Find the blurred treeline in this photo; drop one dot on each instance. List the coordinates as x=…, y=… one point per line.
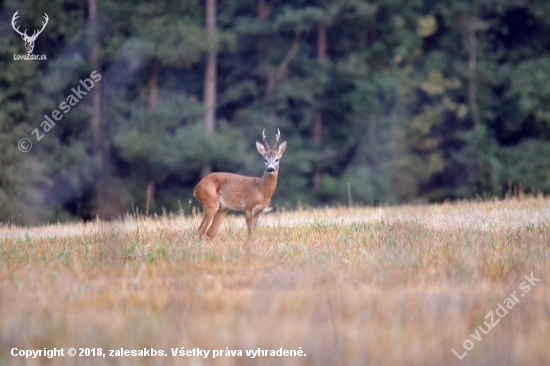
x=380, y=101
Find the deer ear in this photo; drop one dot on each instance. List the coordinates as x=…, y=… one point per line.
x=282, y=149
x=260, y=148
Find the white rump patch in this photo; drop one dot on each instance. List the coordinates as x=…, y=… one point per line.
x=256, y=209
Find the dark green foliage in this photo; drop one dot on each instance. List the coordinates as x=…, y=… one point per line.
x=420, y=101
x=527, y=165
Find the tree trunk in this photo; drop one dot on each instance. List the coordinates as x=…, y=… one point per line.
x=471, y=44
x=150, y=197
x=318, y=119
x=95, y=121
x=210, y=73
x=472, y=65
x=275, y=76
x=209, y=97
x=152, y=102
x=153, y=87
x=264, y=9
x=104, y=206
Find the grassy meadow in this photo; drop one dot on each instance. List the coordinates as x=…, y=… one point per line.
x=346, y=286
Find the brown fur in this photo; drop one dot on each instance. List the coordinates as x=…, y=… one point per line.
x=233, y=192
x=221, y=192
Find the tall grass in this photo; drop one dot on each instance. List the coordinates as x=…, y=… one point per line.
x=350, y=286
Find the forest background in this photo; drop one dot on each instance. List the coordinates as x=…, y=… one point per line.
x=381, y=102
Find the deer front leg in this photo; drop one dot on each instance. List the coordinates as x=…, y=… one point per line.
x=216, y=223
x=255, y=220
x=249, y=222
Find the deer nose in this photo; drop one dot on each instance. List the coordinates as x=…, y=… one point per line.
x=270, y=169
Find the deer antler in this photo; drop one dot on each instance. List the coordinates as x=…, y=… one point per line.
x=24, y=34
x=265, y=140
x=277, y=139
x=43, y=26
x=13, y=19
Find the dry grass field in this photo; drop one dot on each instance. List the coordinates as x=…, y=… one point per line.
x=345, y=286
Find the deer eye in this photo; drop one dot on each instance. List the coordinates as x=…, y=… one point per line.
x=276, y=160
x=265, y=160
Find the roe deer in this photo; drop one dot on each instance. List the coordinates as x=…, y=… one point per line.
x=221, y=192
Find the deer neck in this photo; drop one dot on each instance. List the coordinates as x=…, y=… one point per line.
x=269, y=182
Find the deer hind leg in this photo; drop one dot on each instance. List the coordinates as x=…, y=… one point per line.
x=206, y=193
x=209, y=213
x=217, y=221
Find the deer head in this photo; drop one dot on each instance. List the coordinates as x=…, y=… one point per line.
x=271, y=155
x=29, y=40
